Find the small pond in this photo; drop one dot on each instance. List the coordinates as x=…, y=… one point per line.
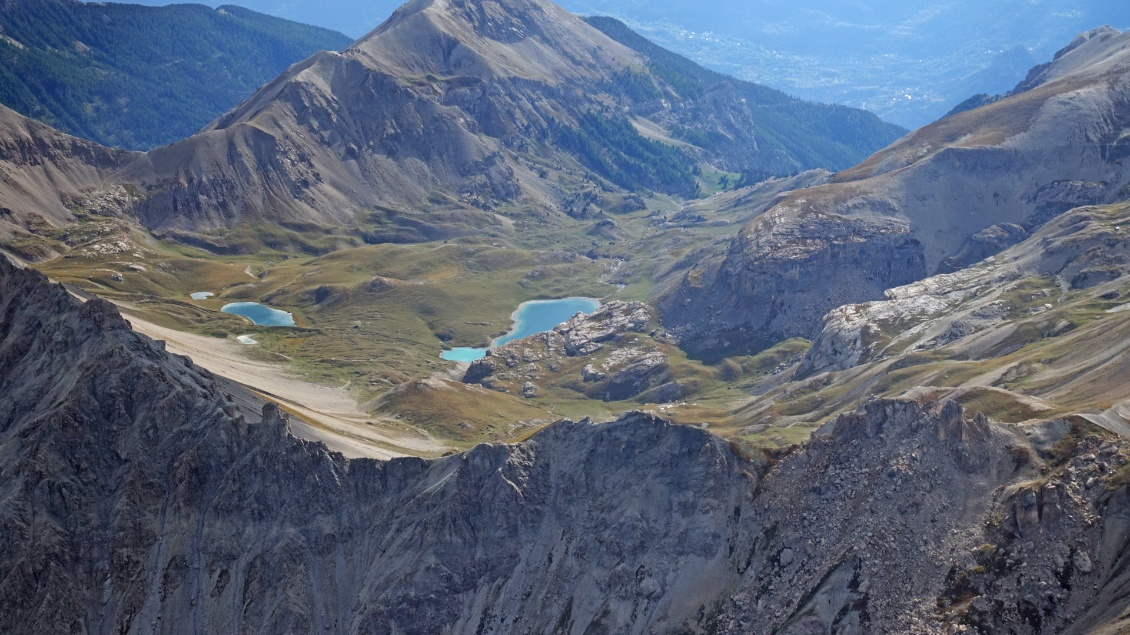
x=535, y=316
x=201, y=295
x=260, y=315
x=464, y=354
x=246, y=340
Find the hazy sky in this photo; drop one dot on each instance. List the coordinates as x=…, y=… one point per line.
x=774, y=19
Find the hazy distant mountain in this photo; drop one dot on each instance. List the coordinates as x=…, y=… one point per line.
x=138, y=77
x=352, y=17
x=909, y=62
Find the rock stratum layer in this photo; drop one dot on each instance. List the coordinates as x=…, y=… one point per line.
x=625, y=371
x=939, y=199
x=135, y=498
x=1083, y=253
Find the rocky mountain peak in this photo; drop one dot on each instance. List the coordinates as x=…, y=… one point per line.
x=1097, y=50
x=453, y=118
x=486, y=39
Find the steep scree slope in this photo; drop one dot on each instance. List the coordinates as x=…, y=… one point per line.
x=45, y=176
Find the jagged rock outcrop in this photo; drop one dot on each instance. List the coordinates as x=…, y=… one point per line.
x=799, y=271
x=1085, y=249
x=622, y=372
x=937, y=200
x=587, y=334
x=899, y=482
x=135, y=498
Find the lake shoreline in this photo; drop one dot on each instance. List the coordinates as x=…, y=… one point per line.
x=519, y=321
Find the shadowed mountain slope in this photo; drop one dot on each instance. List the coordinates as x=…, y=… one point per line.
x=138, y=77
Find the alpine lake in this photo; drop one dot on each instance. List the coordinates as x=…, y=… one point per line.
x=535, y=316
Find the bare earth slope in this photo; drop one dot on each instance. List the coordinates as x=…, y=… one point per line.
x=133, y=498
x=943, y=197
x=44, y=173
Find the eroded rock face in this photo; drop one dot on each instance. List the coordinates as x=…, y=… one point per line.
x=1086, y=248
x=621, y=373
x=136, y=499
x=48, y=175
x=895, y=483
x=586, y=334
x=777, y=282
x=941, y=198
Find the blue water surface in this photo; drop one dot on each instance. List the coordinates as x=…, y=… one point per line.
x=259, y=314
x=464, y=354
x=535, y=316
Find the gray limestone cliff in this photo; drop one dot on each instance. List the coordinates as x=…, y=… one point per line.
x=940, y=199
x=616, y=366
x=1084, y=251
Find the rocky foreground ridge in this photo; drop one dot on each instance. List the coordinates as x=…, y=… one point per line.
x=936, y=201
x=136, y=497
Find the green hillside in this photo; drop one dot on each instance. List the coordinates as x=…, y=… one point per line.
x=138, y=77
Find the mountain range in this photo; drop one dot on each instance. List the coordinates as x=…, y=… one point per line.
x=908, y=62
x=515, y=110
x=946, y=196
x=838, y=381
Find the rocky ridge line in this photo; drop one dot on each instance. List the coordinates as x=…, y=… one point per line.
x=135, y=498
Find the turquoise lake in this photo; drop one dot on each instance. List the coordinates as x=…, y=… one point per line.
x=535, y=316
x=259, y=314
